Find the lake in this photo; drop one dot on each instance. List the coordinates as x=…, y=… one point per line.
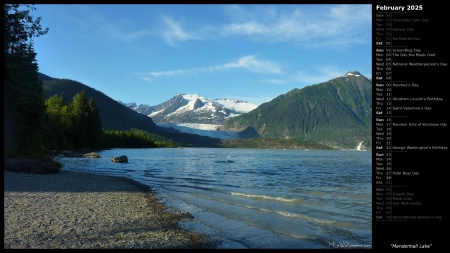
x=256, y=198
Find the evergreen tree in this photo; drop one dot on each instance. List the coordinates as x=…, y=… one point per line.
x=94, y=128
x=24, y=109
x=80, y=120
x=57, y=130
x=73, y=125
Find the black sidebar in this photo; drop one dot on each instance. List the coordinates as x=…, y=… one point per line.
x=410, y=124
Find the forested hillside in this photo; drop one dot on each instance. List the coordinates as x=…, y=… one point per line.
x=116, y=116
x=113, y=114
x=336, y=113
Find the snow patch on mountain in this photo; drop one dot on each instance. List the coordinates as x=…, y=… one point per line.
x=197, y=105
x=352, y=74
x=155, y=113
x=236, y=105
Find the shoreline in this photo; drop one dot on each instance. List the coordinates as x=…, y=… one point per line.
x=71, y=210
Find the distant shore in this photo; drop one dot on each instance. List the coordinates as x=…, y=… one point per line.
x=72, y=210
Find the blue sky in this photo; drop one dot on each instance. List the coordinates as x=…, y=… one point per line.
x=149, y=53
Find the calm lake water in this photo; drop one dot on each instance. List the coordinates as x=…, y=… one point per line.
x=256, y=198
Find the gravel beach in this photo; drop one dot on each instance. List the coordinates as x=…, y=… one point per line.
x=71, y=210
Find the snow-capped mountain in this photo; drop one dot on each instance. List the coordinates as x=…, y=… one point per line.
x=192, y=113
x=193, y=108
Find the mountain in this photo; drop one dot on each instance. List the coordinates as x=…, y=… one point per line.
x=113, y=114
x=194, y=114
x=142, y=109
x=116, y=116
x=193, y=108
x=336, y=113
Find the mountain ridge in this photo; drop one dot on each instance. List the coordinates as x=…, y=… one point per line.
x=336, y=113
x=193, y=108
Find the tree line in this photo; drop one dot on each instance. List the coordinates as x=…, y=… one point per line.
x=77, y=125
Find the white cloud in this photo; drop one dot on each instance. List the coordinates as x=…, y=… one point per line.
x=122, y=33
x=147, y=79
x=172, y=32
x=170, y=72
x=333, y=26
x=245, y=28
x=122, y=30
x=303, y=25
x=249, y=62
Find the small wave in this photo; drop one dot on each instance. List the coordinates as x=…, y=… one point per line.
x=227, y=161
x=291, y=215
x=262, y=197
x=305, y=217
x=303, y=237
x=277, y=212
x=192, y=179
